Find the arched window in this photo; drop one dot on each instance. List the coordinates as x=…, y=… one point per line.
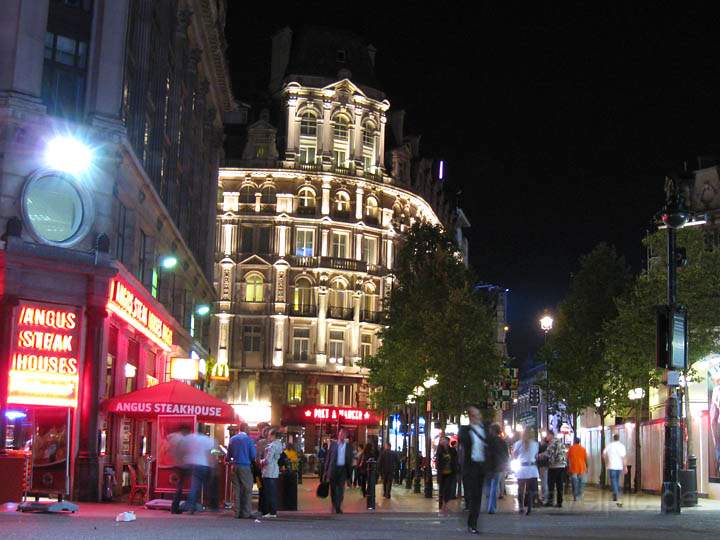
x=371, y=208
x=308, y=125
x=338, y=294
x=342, y=202
x=341, y=141
x=303, y=298
x=247, y=194
x=267, y=194
x=306, y=198
x=254, y=288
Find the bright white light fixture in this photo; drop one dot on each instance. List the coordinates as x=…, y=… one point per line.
x=636, y=393
x=202, y=309
x=168, y=262
x=67, y=154
x=430, y=382
x=546, y=323
x=130, y=371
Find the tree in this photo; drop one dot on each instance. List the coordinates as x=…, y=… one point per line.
x=575, y=354
x=630, y=337
x=437, y=327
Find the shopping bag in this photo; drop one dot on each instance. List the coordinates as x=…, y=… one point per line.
x=322, y=490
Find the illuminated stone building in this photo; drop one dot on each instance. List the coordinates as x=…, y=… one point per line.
x=309, y=220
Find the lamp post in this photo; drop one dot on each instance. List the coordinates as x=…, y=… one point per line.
x=428, y=384
x=636, y=395
x=674, y=216
x=546, y=324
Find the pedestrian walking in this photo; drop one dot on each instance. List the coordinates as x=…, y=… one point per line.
x=322, y=453
x=497, y=464
x=526, y=452
x=197, y=451
x=242, y=453
x=387, y=462
x=557, y=463
x=369, y=452
x=357, y=471
x=614, y=456
x=447, y=467
x=542, y=463
x=181, y=467
x=577, y=468
x=338, y=466
x=473, y=440
x=271, y=472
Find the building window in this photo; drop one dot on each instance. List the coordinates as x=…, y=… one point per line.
x=345, y=395
x=308, y=125
x=264, y=240
x=340, y=158
x=294, y=393
x=304, y=242
x=247, y=194
x=369, y=135
x=337, y=343
x=306, y=199
x=327, y=394
x=254, y=288
x=339, y=245
x=340, y=56
x=366, y=346
x=307, y=154
x=369, y=249
x=267, y=195
x=301, y=344
x=303, y=296
x=338, y=297
x=120, y=226
x=131, y=365
x=251, y=338
x=342, y=202
x=63, y=80
x=246, y=240
x=340, y=129
x=371, y=209
x=142, y=256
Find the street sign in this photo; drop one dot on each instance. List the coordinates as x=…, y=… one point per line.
x=671, y=338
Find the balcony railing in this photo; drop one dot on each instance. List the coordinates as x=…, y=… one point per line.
x=307, y=166
x=340, y=312
x=306, y=210
x=367, y=315
x=376, y=269
x=339, y=169
x=343, y=264
x=373, y=176
x=302, y=310
x=305, y=262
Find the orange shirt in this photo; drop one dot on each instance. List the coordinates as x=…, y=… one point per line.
x=577, y=460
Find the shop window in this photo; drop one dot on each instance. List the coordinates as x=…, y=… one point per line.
x=294, y=392
x=131, y=366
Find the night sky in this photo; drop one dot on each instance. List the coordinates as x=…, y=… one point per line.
x=557, y=124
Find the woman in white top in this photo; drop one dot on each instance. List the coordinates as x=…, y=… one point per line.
x=525, y=451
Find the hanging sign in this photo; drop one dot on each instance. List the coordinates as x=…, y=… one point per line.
x=44, y=363
x=317, y=414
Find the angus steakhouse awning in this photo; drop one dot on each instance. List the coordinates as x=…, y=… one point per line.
x=174, y=397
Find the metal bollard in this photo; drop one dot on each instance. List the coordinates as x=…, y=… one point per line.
x=371, y=483
x=418, y=480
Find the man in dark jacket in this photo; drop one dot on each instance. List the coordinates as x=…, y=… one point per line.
x=386, y=468
x=338, y=466
x=474, y=443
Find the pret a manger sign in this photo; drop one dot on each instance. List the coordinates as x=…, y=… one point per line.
x=44, y=364
x=135, y=311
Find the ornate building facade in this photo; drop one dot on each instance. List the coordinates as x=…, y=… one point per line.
x=308, y=226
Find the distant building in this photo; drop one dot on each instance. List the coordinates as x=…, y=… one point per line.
x=111, y=136
x=310, y=216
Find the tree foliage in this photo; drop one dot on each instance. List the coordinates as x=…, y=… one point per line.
x=438, y=326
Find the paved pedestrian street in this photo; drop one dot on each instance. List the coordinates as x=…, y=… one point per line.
x=406, y=515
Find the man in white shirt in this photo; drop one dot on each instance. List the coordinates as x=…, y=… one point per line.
x=338, y=466
x=615, y=462
x=473, y=442
x=196, y=451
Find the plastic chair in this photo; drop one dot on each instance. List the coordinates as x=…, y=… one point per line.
x=136, y=488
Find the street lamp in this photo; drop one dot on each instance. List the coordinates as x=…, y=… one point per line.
x=636, y=395
x=546, y=324
x=428, y=384
x=168, y=262
x=68, y=154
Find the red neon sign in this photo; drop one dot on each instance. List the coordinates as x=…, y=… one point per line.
x=124, y=303
x=320, y=414
x=44, y=364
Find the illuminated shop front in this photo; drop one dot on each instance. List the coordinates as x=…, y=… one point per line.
x=317, y=423
x=82, y=334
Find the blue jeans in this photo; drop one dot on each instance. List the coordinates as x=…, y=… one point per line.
x=615, y=481
x=578, y=481
x=270, y=486
x=492, y=486
x=200, y=475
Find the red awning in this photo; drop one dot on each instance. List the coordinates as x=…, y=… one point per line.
x=174, y=397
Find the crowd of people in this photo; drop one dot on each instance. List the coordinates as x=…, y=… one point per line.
x=471, y=466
